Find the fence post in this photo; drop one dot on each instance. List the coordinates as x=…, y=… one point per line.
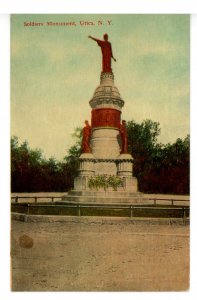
x=16, y=199
x=52, y=198
x=184, y=216
x=131, y=211
x=35, y=199
x=79, y=211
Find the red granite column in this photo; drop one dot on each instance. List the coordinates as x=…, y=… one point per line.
x=106, y=117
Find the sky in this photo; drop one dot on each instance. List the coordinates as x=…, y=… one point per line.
x=55, y=70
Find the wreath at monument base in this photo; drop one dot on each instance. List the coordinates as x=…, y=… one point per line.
x=105, y=181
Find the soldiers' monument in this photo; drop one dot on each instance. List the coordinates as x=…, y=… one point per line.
x=105, y=159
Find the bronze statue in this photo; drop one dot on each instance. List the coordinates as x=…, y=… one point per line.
x=123, y=132
x=86, y=138
x=106, y=50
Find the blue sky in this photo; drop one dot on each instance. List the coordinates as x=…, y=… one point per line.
x=55, y=70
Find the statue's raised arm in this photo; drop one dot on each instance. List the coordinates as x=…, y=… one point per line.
x=106, y=50
x=94, y=39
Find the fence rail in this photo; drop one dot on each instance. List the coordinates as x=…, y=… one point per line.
x=84, y=209
x=16, y=198
x=155, y=201
x=172, y=201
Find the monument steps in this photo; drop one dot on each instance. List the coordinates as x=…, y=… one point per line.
x=106, y=194
x=106, y=197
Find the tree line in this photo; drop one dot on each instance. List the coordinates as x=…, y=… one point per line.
x=159, y=168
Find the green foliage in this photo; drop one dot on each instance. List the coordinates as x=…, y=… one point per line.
x=159, y=168
x=169, y=168
x=31, y=172
x=72, y=159
x=142, y=138
x=104, y=182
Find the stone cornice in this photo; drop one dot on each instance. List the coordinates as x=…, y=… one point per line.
x=97, y=160
x=105, y=100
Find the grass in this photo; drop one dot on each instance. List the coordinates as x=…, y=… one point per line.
x=151, y=211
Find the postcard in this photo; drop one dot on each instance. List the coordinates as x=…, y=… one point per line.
x=100, y=152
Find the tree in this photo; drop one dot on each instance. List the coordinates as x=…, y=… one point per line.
x=25, y=166
x=159, y=168
x=31, y=172
x=72, y=159
x=171, y=163
x=142, y=142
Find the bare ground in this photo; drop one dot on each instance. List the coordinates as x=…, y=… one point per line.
x=99, y=256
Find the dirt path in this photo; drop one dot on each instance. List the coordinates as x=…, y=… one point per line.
x=116, y=256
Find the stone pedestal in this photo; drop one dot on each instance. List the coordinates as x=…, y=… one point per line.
x=105, y=144
x=86, y=170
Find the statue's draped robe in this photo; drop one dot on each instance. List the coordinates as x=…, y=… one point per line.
x=86, y=139
x=106, y=54
x=123, y=131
